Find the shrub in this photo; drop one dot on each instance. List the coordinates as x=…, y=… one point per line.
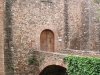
x=31, y=60
x=78, y=65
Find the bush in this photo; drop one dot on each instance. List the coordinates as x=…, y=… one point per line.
x=78, y=65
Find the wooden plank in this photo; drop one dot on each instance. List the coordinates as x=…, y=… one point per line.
x=43, y=41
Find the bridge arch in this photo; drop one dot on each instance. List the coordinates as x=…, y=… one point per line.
x=54, y=70
x=58, y=62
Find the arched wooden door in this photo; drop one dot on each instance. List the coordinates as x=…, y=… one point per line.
x=47, y=41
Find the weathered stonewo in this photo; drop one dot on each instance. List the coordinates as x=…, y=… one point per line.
x=1, y=38
x=94, y=38
x=84, y=27
x=50, y=58
x=74, y=23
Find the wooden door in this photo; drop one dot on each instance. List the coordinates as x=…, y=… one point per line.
x=47, y=41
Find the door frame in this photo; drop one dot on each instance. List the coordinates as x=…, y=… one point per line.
x=41, y=35
x=42, y=28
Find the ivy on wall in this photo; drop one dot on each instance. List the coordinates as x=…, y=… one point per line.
x=78, y=65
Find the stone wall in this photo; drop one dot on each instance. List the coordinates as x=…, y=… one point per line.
x=74, y=23
x=1, y=38
x=8, y=38
x=71, y=21
x=29, y=19
x=94, y=26
x=54, y=59
x=83, y=25
x=45, y=59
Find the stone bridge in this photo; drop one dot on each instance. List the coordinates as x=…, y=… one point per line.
x=53, y=61
x=50, y=61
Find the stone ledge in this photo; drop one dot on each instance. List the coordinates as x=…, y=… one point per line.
x=73, y=52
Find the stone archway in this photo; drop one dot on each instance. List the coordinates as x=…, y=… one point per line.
x=54, y=70
x=47, y=40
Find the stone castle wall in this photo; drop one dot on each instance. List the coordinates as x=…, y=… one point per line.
x=74, y=22
x=29, y=19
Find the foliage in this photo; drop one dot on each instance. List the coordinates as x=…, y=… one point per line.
x=12, y=67
x=78, y=65
x=31, y=60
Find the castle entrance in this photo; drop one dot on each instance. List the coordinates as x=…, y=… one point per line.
x=54, y=70
x=47, y=41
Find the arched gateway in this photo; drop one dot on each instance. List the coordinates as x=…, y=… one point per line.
x=47, y=41
x=54, y=70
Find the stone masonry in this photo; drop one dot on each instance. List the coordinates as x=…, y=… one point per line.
x=75, y=24
x=1, y=38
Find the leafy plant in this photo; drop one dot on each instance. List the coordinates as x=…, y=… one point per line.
x=78, y=65
x=31, y=60
x=12, y=67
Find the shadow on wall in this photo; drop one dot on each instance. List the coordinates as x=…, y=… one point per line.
x=54, y=70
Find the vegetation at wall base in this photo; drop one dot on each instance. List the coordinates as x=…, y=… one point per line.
x=82, y=65
x=12, y=67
